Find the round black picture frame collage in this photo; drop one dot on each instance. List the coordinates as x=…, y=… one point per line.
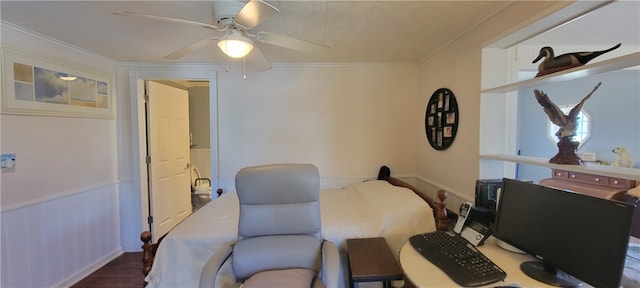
x=441, y=119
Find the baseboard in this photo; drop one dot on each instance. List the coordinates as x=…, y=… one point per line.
x=135, y=246
x=86, y=271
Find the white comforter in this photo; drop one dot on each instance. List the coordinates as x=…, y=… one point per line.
x=367, y=209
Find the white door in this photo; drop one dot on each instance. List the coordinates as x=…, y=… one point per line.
x=168, y=151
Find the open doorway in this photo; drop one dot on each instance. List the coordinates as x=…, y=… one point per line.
x=167, y=156
x=210, y=165
x=175, y=112
x=199, y=122
x=199, y=137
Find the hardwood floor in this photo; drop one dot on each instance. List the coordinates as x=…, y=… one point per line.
x=123, y=272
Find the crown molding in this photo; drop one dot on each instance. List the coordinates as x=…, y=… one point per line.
x=16, y=28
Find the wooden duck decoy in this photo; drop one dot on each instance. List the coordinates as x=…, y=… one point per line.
x=552, y=64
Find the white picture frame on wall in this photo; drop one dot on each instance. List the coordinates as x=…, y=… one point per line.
x=34, y=85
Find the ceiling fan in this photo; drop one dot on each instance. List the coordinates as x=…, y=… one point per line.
x=233, y=22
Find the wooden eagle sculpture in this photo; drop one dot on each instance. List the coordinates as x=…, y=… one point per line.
x=566, y=122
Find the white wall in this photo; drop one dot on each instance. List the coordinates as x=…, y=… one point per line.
x=346, y=119
x=200, y=128
x=199, y=124
x=458, y=67
x=60, y=207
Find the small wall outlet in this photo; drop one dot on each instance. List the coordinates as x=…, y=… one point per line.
x=588, y=156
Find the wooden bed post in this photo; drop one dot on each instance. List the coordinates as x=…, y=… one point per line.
x=148, y=252
x=441, y=213
x=439, y=208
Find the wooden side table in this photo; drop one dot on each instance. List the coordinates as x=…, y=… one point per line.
x=371, y=260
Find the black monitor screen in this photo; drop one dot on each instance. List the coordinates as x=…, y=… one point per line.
x=580, y=235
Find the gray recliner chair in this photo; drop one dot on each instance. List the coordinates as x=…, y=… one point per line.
x=279, y=232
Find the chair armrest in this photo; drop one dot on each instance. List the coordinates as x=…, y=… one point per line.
x=330, y=265
x=210, y=269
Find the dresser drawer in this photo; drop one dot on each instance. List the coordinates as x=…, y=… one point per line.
x=590, y=184
x=592, y=179
x=625, y=184
x=560, y=174
x=588, y=178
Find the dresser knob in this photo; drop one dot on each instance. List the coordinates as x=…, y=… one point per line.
x=615, y=181
x=597, y=179
x=573, y=176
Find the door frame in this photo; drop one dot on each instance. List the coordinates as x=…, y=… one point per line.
x=139, y=130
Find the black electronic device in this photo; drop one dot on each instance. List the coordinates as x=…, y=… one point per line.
x=487, y=193
x=465, y=208
x=573, y=235
x=477, y=226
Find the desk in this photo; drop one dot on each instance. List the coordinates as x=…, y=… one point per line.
x=421, y=273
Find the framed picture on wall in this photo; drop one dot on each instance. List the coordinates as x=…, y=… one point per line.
x=441, y=119
x=37, y=86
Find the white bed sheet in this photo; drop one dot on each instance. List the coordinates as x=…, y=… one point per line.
x=368, y=209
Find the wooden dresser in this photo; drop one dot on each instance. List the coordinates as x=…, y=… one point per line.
x=590, y=184
x=598, y=186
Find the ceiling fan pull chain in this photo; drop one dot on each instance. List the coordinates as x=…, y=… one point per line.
x=244, y=70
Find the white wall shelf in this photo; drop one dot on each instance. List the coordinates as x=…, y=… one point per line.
x=609, y=171
x=613, y=64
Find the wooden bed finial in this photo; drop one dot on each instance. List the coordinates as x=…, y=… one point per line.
x=148, y=252
x=442, y=218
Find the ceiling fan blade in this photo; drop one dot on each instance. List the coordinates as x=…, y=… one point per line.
x=292, y=43
x=167, y=19
x=257, y=59
x=191, y=48
x=253, y=13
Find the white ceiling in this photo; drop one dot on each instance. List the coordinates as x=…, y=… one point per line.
x=356, y=31
x=613, y=23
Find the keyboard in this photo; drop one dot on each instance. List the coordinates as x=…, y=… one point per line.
x=457, y=258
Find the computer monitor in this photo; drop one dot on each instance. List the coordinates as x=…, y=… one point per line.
x=579, y=235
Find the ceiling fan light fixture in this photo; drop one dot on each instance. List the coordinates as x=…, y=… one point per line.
x=235, y=46
x=68, y=78
x=65, y=76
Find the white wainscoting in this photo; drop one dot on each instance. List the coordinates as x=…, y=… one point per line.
x=57, y=242
x=201, y=158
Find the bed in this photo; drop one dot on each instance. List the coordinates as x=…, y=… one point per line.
x=387, y=207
